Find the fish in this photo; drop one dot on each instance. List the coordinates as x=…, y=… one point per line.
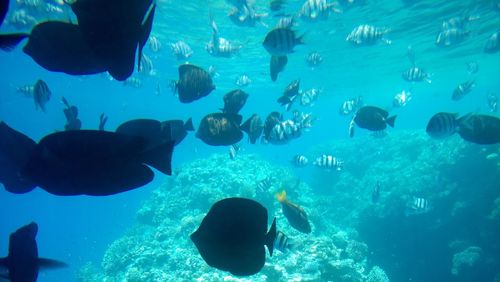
x=130, y=28
x=71, y=114
x=253, y=127
x=15, y=151
x=313, y=10
x=263, y=186
x=307, y=98
x=480, y=129
x=493, y=43
x=329, y=162
x=352, y=126
x=492, y=100
x=26, y=90
x=459, y=22
x=295, y=214
x=23, y=262
x=373, y=118
x=452, y=36
x=276, y=5
x=462, y=89
x=282, y=242
x=178, y=129
x=277, y=65
x=96, y=163
x=102, y=121
x=41, y=95
x=287, y=22
x=472, y=67
x=314, y=59
x=220, y=129
x=376, y=193
x=194, y=83
x=246, y=16
x=219, y=46
x=281, y=41
x=289, y=94
x=147, y=66
x=350, y=106
x=4, y=8
x=299, y=161
x=416, y=74
x=365, y=35
x=417, y=206
x=271, y=120
x=283, y=132
x=181, y=50
x=304, y=120
x=442, y=125
x=243, y=81
x=233, y=151
x=232, y=236
x=234, y=101
x=154, y=44
x=133, y=82
x=401, y=99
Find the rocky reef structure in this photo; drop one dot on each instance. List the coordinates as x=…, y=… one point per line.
x=158, y=247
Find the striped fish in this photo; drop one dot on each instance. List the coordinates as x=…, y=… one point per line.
x=492, y=102
x=316, y=9
x=443, y=125
x=314, y=59
x=300, y=161
x=146, y=66
x=181, y=50
x=26, y=90
x=367, y=35
x=493, y=43
x=282, y=242
x=329, y=162
x=308, y=97
x=283, y=132
x=462, y=89
x=451, y=37
x=281, y=41
x=418, y=206
x=416, y=74
x=41, y=94
x=233, y=151
x=154, y=44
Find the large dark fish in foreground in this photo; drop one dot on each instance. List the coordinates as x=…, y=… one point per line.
x=155, y=131
x=114, y=30
x=253, y=127
x=295, y=215
x=281, y=41
x=373, y=118
x=4, y=8
x=194, y=83
x=480, y=129
x=23, y=263
x=15, y=151
x=442, y=125
x=234, y=101
x=232, y=236
x=220, y=129
x=277, y=65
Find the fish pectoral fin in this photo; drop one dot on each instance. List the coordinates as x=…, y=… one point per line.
x=45, y=263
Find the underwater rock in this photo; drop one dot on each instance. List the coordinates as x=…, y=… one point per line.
x=465, y=259
x=377, y=274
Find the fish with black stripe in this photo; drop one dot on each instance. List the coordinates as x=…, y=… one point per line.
x=281, y=41
x=41, y=94
x=416, y=74
x=442, y=125
x=364, y=35
x=299, y=161
x=329, y=162
x=463, y=89
x=282, y=242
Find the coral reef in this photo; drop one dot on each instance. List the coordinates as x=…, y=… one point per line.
x=465, y=259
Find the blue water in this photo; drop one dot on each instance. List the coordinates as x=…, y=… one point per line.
x=79, y=229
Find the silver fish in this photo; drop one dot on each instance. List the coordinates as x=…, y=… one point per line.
x=493, y=43
x=233, y=151
x=329, y=162
x=314, y=59
x=181, y=50
x=308, y=97
x=133, y=82
x=367, y=35
x=416, y=74
x=154, y=44
x=401, y=99
x=26, y=90
x=317, y=9
x=451, y=37
x=418, y=206
x=146, y=66
x=300, y=161
x=282, y=242
x=283, y=132
x=243, y=81
x=492, y=102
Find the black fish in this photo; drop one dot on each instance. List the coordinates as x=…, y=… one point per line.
x=373, y=118
x=61, y=47
x=4, y=8
x=8, y=41
x=41, y=94
x=114, y=30
x=281, y=41
x=71, y=114
x=442, y=125
x=253, y=127
x=271, y=120
x=194, y=83
x=289, y=94
x=23, y=262
x=295, y=215
x=480, y=129
x=234, y=101
x=178, y=129
x=277, y=65
x=102, y=121
x=97, y=163
x=15, y=151
x=232, y=236
x=219, y=129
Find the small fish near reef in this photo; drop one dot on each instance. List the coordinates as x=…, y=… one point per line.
x=350, y=106
x=463, y=89
x=181, y=50
x=329, y=162
x=299, y=161
x=373, y=118
x=314, y=59
x=417, y=206
x=295, y=215
x=220, y=129
x=194, y=83
x=401, y=99
x=492, y=101
x=232, y=236
x=281, y=41
x=282, y=242
x=233, y=151
x=22, y=263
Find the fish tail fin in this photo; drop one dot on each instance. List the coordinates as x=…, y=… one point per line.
x=281, y=196
x=271, y=237
x=173, y=86
x=9, y=41
x=300, y=40
x=390, y=121
x=160, y=157
x=246, y=125
x=46, y=263
x=188, y=125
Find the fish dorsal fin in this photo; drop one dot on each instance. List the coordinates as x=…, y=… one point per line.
x=271, y=237
x=188, y=125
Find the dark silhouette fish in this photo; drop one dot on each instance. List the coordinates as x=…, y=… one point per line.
x=295, y=215
x=23, y=263
x=289, y=94
x=234, y=101
x=194, y=83
x=373, y=118
x=178, y=129
x=277, y=65
x=41, y=94
x=480, y=129
x=232, y=236
x=4, y=8
x=442, y=125
x=114, y=30
x=271, y=120
x=167, y=131
x=253, y=127
x=15, y=151
x=220, y=129
x=281, y=41
x=71, y=114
